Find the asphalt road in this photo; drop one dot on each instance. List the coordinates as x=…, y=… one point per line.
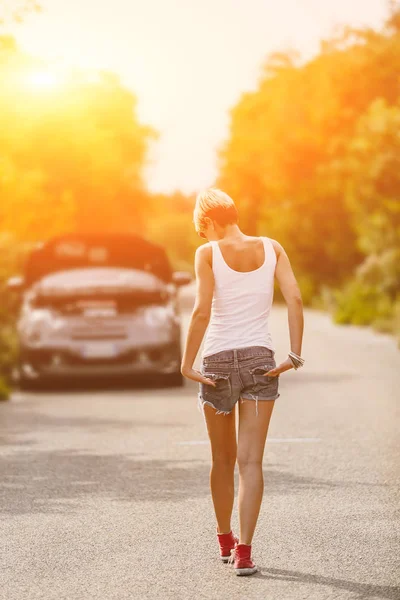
x=105, y=493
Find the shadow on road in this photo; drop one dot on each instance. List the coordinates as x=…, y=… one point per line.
x=82, y=384
x=363, y=591
x=34, y=480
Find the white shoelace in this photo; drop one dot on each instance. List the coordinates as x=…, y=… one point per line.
x=231, y=559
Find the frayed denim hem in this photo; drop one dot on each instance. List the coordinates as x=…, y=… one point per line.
x=257, y=398
x=201, y=402
x=200, y=405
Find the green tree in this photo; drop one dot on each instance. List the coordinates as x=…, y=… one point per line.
x=371, y=176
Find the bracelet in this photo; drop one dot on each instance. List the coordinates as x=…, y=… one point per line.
x=297, y=361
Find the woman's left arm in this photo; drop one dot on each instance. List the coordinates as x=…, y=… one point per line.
x=201, y=313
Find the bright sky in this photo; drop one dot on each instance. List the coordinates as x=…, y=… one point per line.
x=188, y=61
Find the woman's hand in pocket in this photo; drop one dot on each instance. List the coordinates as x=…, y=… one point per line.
x=284, y=366
x=197, y=376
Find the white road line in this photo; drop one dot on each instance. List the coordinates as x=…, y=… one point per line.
x=192, y=443
x=278, y=440
x=275, y=440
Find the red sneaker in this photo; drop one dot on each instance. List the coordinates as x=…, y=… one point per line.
x=241, y=557
x=227, y=542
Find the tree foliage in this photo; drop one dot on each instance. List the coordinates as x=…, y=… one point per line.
x=290, y=139
x=72, y=150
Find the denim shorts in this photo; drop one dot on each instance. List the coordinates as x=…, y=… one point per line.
x=238, y=373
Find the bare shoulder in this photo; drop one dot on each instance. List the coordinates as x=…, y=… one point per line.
x=277, y=247
x=285, y=275
x=204, y=252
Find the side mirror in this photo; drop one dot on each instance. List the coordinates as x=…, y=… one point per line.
x=181, y=278
x=16, y=283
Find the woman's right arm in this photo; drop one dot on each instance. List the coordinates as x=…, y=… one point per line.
x=292, y=295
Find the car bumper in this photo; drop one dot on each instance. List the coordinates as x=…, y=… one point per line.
x=60, y=362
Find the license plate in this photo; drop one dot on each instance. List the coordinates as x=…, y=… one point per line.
x=99, y=350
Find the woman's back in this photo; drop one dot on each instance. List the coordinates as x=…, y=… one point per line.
x=243, y=293
x=244, y=256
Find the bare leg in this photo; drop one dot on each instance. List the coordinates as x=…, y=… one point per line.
x=252, y=436
x=222, y=433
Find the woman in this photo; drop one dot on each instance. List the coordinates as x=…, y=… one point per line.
x=235, y=284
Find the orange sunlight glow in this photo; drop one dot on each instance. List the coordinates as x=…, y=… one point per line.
x=184, y=86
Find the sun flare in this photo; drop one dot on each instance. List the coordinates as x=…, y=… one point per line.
x=43, y=79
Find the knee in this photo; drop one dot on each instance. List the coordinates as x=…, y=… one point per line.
x=224, y=461
x=248, y=464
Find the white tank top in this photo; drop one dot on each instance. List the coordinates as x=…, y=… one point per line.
x=241, y=304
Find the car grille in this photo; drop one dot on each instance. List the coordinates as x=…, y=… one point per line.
x=100, y=332
x=128, y=357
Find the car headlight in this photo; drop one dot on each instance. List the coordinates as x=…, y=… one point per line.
x=158, y=315
x=39, y=324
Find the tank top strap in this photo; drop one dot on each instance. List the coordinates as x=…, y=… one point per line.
x=267, y=250
x=270, y=255
x=264, y=241
x=217, y=258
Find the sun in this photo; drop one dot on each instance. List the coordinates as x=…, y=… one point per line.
x=43, y=79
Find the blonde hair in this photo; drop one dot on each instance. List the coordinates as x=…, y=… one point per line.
x=217, y=205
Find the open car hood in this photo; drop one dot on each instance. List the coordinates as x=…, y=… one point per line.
x=122, y=251
x=110, y=290
x=97, y=280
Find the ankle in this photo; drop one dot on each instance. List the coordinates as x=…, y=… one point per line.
x=223, y=532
